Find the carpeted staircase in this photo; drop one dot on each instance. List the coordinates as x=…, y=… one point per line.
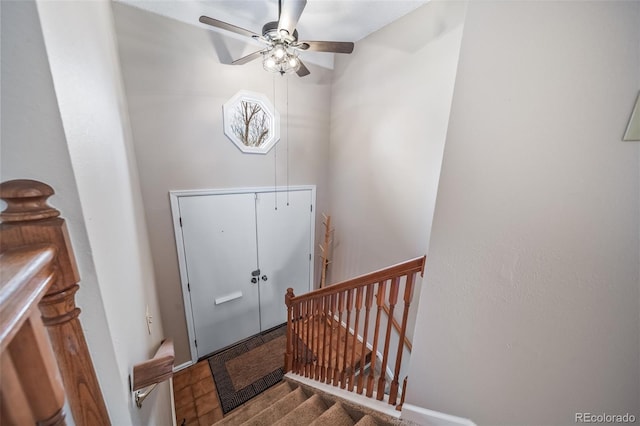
x=288, y=404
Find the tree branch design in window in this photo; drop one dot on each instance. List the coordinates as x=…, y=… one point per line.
x=251, y=122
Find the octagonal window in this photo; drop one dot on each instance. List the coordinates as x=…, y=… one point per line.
x=251, y=122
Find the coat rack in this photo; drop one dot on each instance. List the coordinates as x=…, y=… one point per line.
x=324, y=248
x=149, y=373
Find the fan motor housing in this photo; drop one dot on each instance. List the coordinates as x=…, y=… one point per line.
x=270, y=31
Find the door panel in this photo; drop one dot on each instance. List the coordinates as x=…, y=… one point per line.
x=284, y=245
x=219, y=233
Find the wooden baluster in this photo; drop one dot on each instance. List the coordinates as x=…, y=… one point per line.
x=302, y=352
x=322, y=328
x=312, y=348
x=379, y=302
x=331, y=344
x=298, y=347
x=314, y=345
x=14, y=403
x=393, y=299
x=28, y=219
x=352, y=372
x=318, y=324
x=404, y=392
x=309, y=368
x=314, y=339
x=346, y=367
x=30, y=358
x=288, y=360
x=338, y=369
x=294, y=336
x=408, y=293
x=325, y=317
x=368, y=302
x=307, y=343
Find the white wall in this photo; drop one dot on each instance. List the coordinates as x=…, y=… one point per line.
x=389, y=113
x=175, y=87
x=33, y=146
x=81, y=49
x=530, y=311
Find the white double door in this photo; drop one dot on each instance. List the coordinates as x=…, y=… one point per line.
x=241, y=251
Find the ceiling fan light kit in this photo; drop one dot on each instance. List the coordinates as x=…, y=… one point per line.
x=281, y=53
x=280, y=59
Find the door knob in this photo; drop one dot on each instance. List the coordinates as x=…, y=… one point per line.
x=254, y=280
x=264, y=278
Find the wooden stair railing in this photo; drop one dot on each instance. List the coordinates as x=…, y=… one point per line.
x=314, y=319
x=29, y=221
x=31, y=390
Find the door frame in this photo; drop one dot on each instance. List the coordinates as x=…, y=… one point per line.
x=174, y=197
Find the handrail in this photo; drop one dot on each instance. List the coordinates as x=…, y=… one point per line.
x=149, y=373
x=31, y=391
x=399, y=269
x=323, y=329
x=25, y=274
x=26, y=221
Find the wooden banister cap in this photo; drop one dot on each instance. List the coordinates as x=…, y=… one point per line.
x=26, y=200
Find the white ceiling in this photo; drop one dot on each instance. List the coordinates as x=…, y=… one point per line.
x=333, y=20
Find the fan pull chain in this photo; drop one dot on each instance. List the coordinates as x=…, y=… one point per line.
x=275, y=153
x=288, y=78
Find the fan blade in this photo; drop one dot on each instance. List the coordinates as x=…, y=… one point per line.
x=290, y=14
x=303, y=70
x=326, y=46
x=250, y=57
x=228, y=27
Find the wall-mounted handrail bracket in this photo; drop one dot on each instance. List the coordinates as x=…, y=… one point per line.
x=149, y=373
x=141, y=396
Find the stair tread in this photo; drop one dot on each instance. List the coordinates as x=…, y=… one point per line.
x=277, y=410
x=304, y=413
x=257, y=404
x=334, y=416
x=367, y=421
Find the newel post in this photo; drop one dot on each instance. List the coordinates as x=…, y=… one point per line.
x=288, y=356
x=28, y=219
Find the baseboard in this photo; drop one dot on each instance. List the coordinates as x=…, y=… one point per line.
x=182, y=366
x=425, y=417
x=173, y=403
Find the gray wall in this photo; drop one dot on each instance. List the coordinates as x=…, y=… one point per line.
x=530, y=310
x=389, y=113
x=176, y=86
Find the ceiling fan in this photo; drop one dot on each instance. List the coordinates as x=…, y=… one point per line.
x=281, y=40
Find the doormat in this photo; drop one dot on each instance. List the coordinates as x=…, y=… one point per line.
x=249, y=368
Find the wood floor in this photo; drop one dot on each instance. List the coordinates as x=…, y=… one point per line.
x=195, y=396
